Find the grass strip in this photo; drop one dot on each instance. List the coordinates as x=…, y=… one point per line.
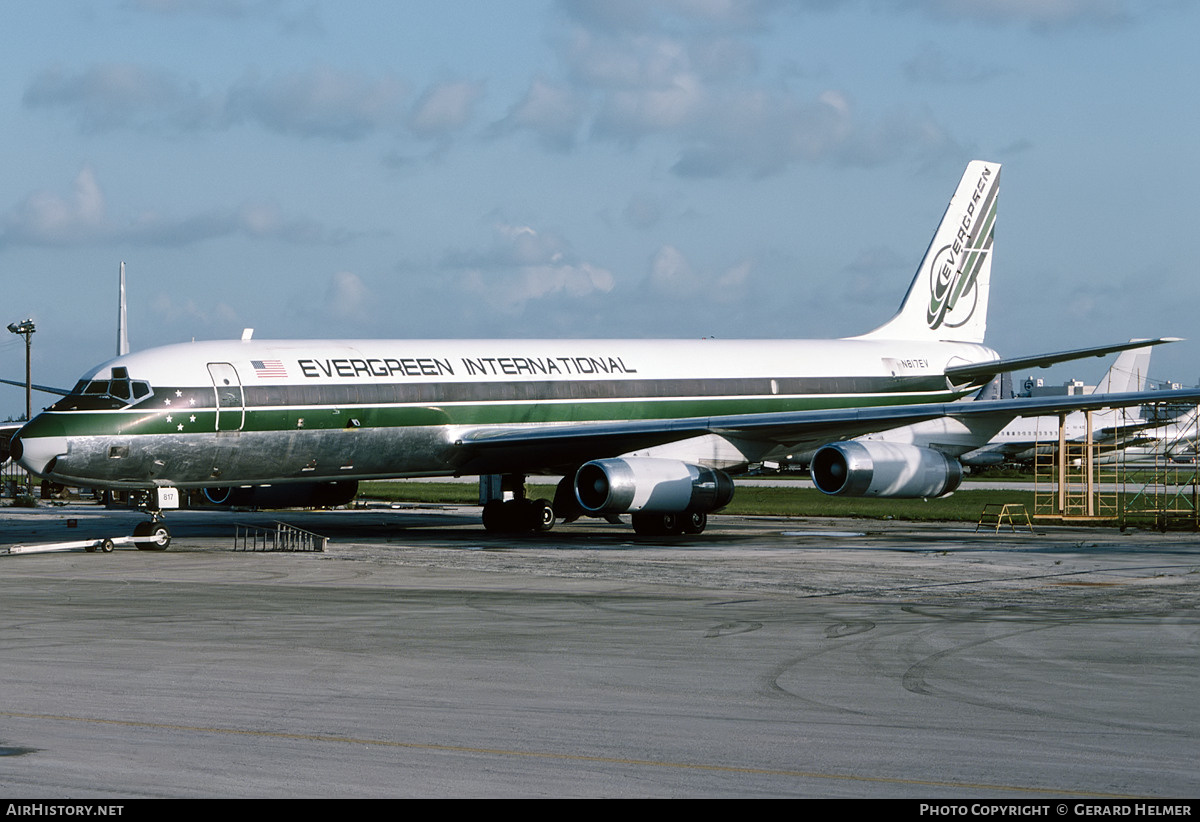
x=961, y=506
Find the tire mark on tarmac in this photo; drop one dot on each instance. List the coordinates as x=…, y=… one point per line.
x=566, y=757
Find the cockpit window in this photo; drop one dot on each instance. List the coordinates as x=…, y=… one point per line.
x=105, y=394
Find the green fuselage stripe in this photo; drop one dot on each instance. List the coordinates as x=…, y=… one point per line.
x=284, y=408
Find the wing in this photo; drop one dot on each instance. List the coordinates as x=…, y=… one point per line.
x=556, y=448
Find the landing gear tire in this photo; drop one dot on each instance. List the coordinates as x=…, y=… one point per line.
x=158, y=537
x=517, y=516
x=107, y=546
x=495, y=517
x=670, y=523
x=658, y=524
x=692, y=522
x=542, y=515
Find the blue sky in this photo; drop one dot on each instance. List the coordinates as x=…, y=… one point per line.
x=680, y=168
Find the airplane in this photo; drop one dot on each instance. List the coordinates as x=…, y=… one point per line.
x=649, y=428
x=1162, y=444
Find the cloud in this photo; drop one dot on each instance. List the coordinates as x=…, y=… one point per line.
x=622, y=16
x=514, y=246
x=45, y=218
x=444, y=108
x=171, y=311
x=554, y=112
x=122, y=95
x=347, y=298
x=643, y=212
x=671, y=273
x=287, y=19
x=524, y=265
x=320, y=102
x=1037, y=13
x=932, y=64
x=670, y=72
x=673, y=276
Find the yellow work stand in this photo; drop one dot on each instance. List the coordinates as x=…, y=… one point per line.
x=1001, y=512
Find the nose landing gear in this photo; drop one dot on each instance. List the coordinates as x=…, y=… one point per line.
x=151, y=535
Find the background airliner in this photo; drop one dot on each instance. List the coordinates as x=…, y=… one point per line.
x=644, y=427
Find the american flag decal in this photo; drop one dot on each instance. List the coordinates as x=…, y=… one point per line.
x=265, y=369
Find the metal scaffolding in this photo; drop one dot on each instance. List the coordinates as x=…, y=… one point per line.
x=1133, y=474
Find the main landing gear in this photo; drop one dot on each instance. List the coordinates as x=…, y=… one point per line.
x=516, y=515
x=519, y=514
x=669, y=524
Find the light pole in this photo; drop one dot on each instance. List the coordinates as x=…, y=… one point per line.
x=26, y=328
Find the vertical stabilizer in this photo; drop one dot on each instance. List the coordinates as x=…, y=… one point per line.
x=1128, y=372
x=122, y=330
x=948, y=297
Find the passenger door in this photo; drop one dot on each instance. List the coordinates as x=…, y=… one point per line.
x=231, y=402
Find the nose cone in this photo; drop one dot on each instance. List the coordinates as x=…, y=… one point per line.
x=36, y=454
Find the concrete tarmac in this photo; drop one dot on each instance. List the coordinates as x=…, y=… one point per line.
x=420, y=657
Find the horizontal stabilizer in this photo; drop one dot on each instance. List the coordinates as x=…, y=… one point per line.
x=983, y=371
x=47, y=389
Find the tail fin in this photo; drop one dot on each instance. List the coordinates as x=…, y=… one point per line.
x=1128, y=372
x=948, y=297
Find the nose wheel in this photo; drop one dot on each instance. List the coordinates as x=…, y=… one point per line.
x=151, y=535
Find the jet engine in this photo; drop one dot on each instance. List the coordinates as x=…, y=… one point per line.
x=884, y=469
x=285, y=495
x=647, y=484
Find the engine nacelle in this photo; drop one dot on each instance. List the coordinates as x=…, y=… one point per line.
x=285, y=495
x=985, y=458
x=884, y=469
x=614, y=486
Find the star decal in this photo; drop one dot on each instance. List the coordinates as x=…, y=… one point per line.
x=180, y=426
x=169, y=418
x=178, y=393
x=192, y=418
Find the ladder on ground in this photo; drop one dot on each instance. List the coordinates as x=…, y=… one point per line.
x=277, y=537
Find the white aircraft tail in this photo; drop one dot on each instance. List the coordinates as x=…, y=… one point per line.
x=948, y=297
x=122, y=327
x=1128, y=372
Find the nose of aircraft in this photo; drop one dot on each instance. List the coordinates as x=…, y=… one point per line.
x=36, y=455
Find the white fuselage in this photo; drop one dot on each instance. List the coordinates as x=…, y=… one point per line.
x=199, y=414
